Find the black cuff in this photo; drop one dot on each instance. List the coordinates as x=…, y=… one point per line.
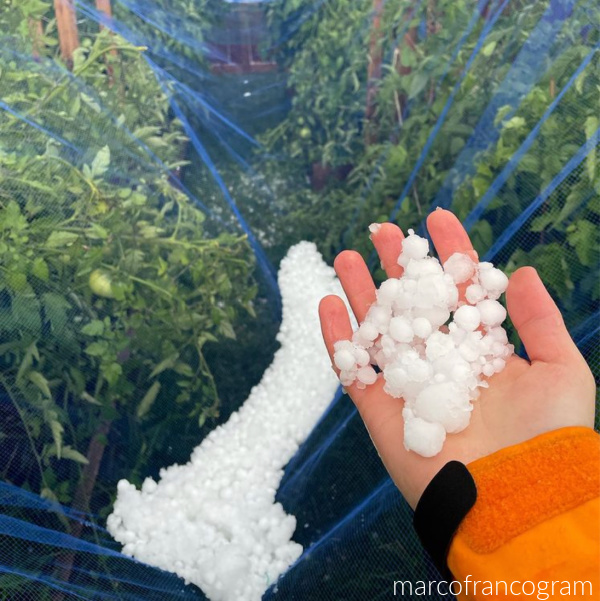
x=442, y=507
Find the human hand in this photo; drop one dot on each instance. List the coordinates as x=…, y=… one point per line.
x=556, y=389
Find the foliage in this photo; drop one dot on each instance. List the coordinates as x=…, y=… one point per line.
x=429, y=82
x=109, y=287
x=328, y=84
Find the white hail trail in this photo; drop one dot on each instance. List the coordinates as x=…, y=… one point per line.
x=214, y=521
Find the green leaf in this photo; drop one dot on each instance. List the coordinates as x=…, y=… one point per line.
x=86, y=396
x=148, y=400
x=583, y=236
x=417, y=84
x=488, y=49
x=70, y=453
x=101, y=163
x=39, y=268
x=167, y=363
x=226, y=329
x=27, y=360
x=515, y=123
x=97, y=232
x=94, y=328
x=58, y=239
x=55, y=309
x=57, y=432
x=591, y=126
x=96, y=349
x=111, y=373
x=40, y=381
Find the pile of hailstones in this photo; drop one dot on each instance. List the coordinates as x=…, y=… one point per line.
x=437, y=369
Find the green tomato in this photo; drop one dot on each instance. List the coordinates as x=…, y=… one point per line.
x=305, y=133
x=101, y=284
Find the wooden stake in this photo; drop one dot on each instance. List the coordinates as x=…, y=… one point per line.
x=103, y=6
x=37, y=35
x=66, y=21
x=374, y=70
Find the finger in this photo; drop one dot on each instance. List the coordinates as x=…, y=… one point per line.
x=448, y=235
x=387, y=239
x=356, y=281
x=537, y=319
x=335, y=326
x=335, y=323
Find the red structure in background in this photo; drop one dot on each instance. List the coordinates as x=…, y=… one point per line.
x=238, y=52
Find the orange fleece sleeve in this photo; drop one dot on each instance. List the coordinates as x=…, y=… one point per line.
x=535, y=525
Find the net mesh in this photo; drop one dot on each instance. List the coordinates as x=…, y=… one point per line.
x=157, y=160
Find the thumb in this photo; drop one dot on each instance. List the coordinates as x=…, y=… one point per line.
x=537, y=319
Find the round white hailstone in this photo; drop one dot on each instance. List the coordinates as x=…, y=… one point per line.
x=414, y=247
x=474, y=293
x=488, y=370
x=438, y=345
x=436, y=316
x=401, y=329
x=388, y=346
x=492, y=312
x=380, y=359
x=493, y=280
x=347, y=378
x=379, y=316
x=418, y=369
x=388, y=291
x=460, y=267
x=497, y=348
x=410, y=286
x=358, y=340
x=467, y=318
x=446, y=404
x=419, y=268
x=462, y=372
x=367, y=375
x=468, y=351
x=362, y=357
x=395, y=379
x=451, y=291
x=421, y=327
x=499, y=334
x=458, y=334
x=483, y=266
x=422, y=437
x=344, y=360
x=431, y=292
x=498, y=364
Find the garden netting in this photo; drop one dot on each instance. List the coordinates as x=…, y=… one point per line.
x=157, y=161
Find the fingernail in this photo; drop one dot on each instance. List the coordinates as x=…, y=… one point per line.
x=374, y=227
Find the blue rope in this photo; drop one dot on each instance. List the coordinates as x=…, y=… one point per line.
x=37, y=126
x=261, y=257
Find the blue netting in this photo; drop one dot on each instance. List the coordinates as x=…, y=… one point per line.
x=156, y=163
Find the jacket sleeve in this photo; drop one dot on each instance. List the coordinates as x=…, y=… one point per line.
x=527, y=516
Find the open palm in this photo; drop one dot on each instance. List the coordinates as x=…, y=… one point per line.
x=554, y=390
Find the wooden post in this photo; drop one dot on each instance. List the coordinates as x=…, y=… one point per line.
x=66, y=21
x=374, y=70
x=37, y=36
x=103, y=6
